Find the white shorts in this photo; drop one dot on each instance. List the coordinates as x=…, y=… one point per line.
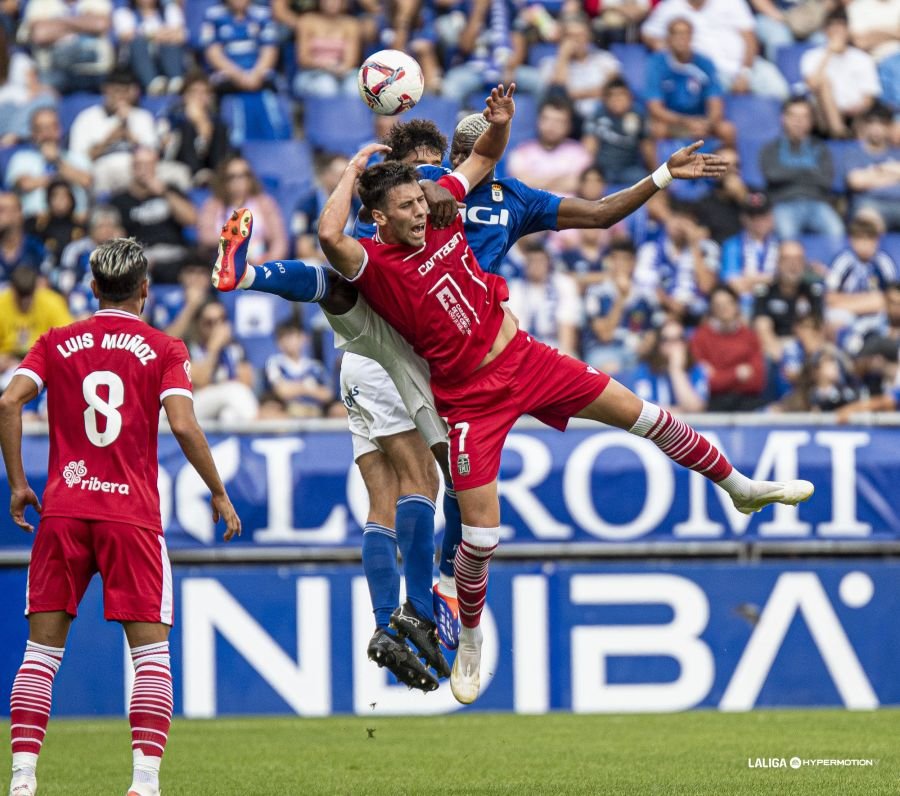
x=407, y=389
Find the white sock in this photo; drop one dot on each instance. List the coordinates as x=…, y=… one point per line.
x=248, y=278
x=24, y=763
x=470, y=635
x=736, y=483
x=447, y=585
x=146, y=768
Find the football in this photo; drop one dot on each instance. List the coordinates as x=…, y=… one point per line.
x=390, y=82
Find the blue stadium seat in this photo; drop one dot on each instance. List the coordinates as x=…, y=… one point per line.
x=685, y=190
x=788, y=62
x=70, y=105
x=280, y=162
x=6, y=154
x=819, y=248
x=750, y=148
x=539, y=51
x=443, y=112
x=891, y=244
x=288, y=194
x=524, y=125
x=157, y=105
x=254, y=319
x=194, y=12
x=754, y=117
x=271, y=122
x=341, y=125
x=258, y=350
x=634, y=64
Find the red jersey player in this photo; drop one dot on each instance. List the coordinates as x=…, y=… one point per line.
x=485, y=373
x=106, y=378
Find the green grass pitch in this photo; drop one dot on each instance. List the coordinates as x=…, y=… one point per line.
x=689, y=753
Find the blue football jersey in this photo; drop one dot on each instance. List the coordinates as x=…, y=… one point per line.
x=496, y=215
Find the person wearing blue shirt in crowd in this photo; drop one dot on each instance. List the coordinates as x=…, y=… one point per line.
x=618, y=134
x=16, y=246
x=297, y=379
x=750, y=257
x=683, y=94
x=872, y=166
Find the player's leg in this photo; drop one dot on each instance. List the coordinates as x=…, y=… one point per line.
x=62, y=564
x=150, y=709
x=445, y=603
x=618, y=406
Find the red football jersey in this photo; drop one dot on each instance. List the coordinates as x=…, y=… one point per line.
x=436, y=296
x=105, y=379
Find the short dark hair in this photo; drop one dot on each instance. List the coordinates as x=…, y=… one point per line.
x=409, y=136
x=377, y=181
x=286, y=327
x=797, y=99
x=616, y=82
x=837, y=15
x=119, y=267
x=557, y=103
x=879, y=112
x=23, y=280
x=622, y=245
x=721, y=287
x=861, y=227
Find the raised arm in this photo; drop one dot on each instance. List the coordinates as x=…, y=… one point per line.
x=21, y=390
x=491, y=144
x=344, y=254
x=685, y=164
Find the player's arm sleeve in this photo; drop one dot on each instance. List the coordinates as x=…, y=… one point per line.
x=176, y=375
x=434, y=173
x=542, y=210
x=456, y=183
x=34, y=366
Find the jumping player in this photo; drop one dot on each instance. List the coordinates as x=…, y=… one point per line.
x=106, y=378
x=485, y=373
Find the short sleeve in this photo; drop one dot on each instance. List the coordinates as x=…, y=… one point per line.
x=653, y=79
x=176, y=377
x=456, y=183
x=273, y=371
x=35, y=365
x=428, y=172
x=542, y=208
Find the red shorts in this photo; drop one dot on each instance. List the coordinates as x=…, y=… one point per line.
x=133, y=562
x=528, y=378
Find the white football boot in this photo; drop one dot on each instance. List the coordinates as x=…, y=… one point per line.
x=465, y=677
x=22, y=784
x=764, y=493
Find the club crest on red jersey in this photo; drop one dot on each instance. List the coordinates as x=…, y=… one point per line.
x=462, y=464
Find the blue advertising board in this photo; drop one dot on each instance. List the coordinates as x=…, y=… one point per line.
x=587, y=486
x=587, y=638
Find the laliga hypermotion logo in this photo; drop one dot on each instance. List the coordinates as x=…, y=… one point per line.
x=74, y=472
x=391, y=76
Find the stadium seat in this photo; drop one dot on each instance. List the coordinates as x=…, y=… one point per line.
x=788, y=62
x=443, y=112
x=754, y=117
x=70, y=105
x=838, y=157
x=750, y=148
x=194, y=12
x=280, y=162
x=6, y=154
x=341, y=125
x=255, y=317
x=524, y=126
x=271, y=123
x=539, y=51
x=819, y=248
x=288, y=194
x=891, y=244
x=157, y=105
x=633, y=58
x=685, y=190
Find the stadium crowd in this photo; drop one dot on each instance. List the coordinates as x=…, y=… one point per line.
x=777, y=288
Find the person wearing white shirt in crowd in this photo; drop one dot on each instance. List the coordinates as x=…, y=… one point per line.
x=580, y=68
x=546, y=302
x=108, y=133
x=843, y=79
x=153, y=38
x=875, y=26
x=724, y=33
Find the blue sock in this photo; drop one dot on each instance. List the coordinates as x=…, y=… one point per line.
x=379, y=556
x=452, y=531
x=415, y=536
x=292, y=279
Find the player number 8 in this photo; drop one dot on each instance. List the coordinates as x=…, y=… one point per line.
x=104, y=378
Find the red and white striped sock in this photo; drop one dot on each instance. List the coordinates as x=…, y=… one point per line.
x=681, y=443
x=470, y=566
x=29, y=704
x=150, y=712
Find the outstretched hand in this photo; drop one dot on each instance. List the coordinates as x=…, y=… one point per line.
x=361, y=159
x=689, y=164
x=20, y=499
x=501, y=106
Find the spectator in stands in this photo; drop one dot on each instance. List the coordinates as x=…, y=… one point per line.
x=666, y=375
x=875, y=26
x=617, y=136
x=155, y=213
x=492, y=53
x=27, y=310
x=553, y=161
x=616, y=20
x=828, y=381
x=174, y=311
x=732, y=355
x=843, y=79
x=723, y=31
x=194, y=134
x=31, y=170
x=772, y=26
x=21, y=93
x=547, y=302
x=70, y=41
x=305, y=218
x=682, y=266
x=722, y=206
x=17, y=247
x=295, y=378
x=106, y=134
x=221, y=375
x=235, y=185
x=683, y=94
x=876, y=363
x=858, y=275
x=73, y=276
x=580, y=70
x=792, y=371
x=582, y=256
x=329, y=46
x=749, y=259
x=798, y=171
x=792, y=296
x=873, y=168
x=889, y=75
x=60, y=224
x=288, y=12
x=619, y=314
x=152, y=38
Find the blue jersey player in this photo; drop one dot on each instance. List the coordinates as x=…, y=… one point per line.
x=497, y=214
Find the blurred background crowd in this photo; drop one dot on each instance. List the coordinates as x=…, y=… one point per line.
x=776, y=289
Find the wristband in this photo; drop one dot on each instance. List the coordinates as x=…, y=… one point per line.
x=662, y=177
